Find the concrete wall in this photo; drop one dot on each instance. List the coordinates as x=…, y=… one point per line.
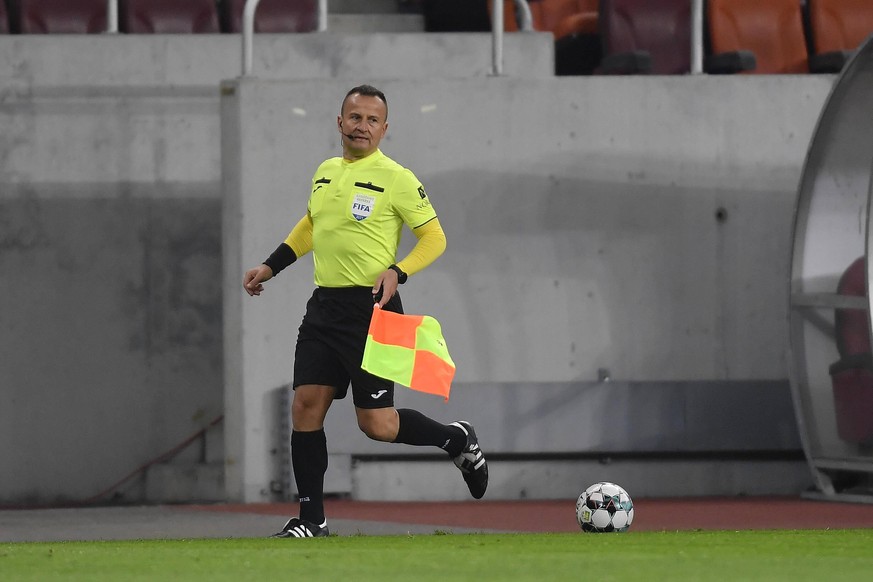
x=110, y=236
x=547, y=440
x=111, y=320
x=635, y=225
x=202, y=60
x=580, y=214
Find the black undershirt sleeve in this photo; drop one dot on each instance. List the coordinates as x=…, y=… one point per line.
x=281, y=258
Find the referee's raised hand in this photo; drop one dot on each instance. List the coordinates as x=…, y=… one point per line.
x=254, y=279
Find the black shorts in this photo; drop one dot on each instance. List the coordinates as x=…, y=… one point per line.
x=330, y=345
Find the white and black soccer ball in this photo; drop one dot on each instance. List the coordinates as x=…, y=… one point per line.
x=604, y=507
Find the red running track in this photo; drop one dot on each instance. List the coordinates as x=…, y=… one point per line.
x=707, y=513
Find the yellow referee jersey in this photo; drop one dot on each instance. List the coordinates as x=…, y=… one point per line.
x=358, y=210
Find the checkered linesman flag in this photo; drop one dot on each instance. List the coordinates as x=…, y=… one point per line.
x=409, y=350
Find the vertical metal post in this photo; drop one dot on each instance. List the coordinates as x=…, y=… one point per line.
x=322, y=16
x=696, y=37
x=248, y=34
x=111, y=16
x=497, y=38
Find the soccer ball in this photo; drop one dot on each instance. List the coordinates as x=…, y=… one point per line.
x=604, y=507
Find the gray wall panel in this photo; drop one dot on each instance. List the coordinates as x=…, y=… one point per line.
x=112, y=334
x=583, y=230
x=580, y=215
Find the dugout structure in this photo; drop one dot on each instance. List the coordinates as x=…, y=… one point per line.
x=831, y=367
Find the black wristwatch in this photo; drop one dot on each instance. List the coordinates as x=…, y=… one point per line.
x=401, y=276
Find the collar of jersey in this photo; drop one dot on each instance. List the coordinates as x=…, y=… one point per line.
x=375, y=156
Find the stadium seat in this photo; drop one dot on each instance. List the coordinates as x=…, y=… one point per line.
x=852, y=374
x=560, y=17
x=585, y=22
x=58, y=16
x=645, y=36
x=756, y=36
x=564, y=17
x=837, y=28
x=168, y=16
x=456, y=16
x=574, y=25
x=4, y=19
x=272, y=15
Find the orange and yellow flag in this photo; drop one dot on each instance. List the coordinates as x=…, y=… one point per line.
x=409, y=350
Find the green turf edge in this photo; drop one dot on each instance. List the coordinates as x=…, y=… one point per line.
x=686, y=555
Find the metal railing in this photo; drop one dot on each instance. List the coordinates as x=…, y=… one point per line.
x=248, y=31
x=112, y=16
x=522, y=10
x=696, y=37
x=523, y=14
x=525, y=20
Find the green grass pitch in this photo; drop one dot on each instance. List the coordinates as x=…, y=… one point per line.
x=699, y=555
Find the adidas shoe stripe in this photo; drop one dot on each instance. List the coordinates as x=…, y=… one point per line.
x=300, y=532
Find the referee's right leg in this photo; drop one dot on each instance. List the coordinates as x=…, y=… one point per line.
x=309, y=447
x=309, y=459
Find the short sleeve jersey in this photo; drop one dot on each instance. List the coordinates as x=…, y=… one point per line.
x=358, y=210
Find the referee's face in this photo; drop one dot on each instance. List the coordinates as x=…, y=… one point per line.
x=362, y=123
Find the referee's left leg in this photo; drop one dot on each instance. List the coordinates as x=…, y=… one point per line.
x=380, y=424
x=411, y=427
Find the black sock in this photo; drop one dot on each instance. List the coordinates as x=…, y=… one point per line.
x=417, y=429
x=309, y=461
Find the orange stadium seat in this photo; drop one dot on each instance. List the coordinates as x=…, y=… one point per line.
x=574, y=25
x=272, y=15
x=837, y=28
x=560, y=17
x=645, y=36
x=577, y=23
x=58, y=16
x=564, y=17
x=756, y=36
x=168, y=16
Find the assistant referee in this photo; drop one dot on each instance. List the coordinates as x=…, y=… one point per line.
x=357, y=208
